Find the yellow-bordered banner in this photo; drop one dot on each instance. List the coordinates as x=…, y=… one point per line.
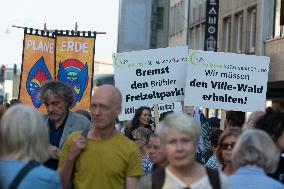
x=37, y=65
x=65, y=56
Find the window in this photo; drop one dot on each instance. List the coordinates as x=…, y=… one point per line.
x=202, y=36
x=197, y=33
x=171, y=21
x=281, y=15
x=192, y=38
x=252, y=29
x=239, y=35
x=160, y=18
x=226, y=34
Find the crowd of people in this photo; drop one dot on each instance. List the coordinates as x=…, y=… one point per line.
x=86, y=149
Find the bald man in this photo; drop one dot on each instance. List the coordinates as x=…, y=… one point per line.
x=105, y=158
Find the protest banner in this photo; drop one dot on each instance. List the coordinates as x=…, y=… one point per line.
x=150, y=76
x=226, y=81
x=37, y=65
x=174, y=106
x=74, y=65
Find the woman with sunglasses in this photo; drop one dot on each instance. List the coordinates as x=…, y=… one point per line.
x=225, y=146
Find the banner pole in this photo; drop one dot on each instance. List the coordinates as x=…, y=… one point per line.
x=21, y=27
x=156, y=114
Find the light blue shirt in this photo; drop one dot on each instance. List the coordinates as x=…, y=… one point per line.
x=40, y=177
x=251, y=177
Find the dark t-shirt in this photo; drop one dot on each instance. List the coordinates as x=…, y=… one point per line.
x=55, y=135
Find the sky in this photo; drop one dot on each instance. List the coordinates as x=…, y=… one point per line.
x=90, y=15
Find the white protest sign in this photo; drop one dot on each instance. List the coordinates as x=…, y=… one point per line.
x=226, y=81
x=150, y=76
x=175, y=107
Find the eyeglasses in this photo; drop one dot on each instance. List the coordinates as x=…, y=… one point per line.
x=135, y=139
x=225, y=146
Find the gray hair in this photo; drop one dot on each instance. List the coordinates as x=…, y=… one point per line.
x=180, y=122
x=57, y=88
x=255, y=147
x=143, y=132
x=23, y=134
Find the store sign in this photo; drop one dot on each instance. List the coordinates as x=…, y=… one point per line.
x=211, y=26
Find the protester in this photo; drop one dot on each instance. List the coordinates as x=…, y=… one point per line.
x=179, y=135
x=235, y=119
x=163, y=115
x=214, y=122
x=252, y=119
x=85, y=113
x=225, y=146
x=141, y=137
x=254, y=155
x=214, y=137
x=12, y=102
x=156, y=153
x=118, y=125
x=24, y=140
x=273, y=124
x=141, y=118
x=204, y=152
x=61, y=121
x=104, y=158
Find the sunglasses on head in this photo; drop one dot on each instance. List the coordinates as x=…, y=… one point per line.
x=225, y=146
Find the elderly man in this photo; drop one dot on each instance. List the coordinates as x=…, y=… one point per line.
x=104, y=158
x=57, y=97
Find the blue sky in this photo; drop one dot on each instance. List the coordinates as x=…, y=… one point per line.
x=91, y=15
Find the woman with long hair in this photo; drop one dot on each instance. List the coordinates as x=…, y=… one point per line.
x=141, y=118
x=224, y=149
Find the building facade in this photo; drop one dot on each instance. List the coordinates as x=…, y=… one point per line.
x=143, y=24
x=197, y=13
x=178, y=22
x=244, y=26
x=274, y=48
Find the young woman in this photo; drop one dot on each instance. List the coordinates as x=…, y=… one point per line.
x=142, y=118
x=225, y=146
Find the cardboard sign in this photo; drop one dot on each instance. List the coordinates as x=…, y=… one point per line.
x=151, y=76
x=129, y=112
x=226, y=81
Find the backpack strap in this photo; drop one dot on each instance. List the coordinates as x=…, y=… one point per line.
x=214, y=178
x=85, y=132
x=22, y=173
x=158, y=178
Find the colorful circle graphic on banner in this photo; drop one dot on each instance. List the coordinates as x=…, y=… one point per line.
x=75, y=74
